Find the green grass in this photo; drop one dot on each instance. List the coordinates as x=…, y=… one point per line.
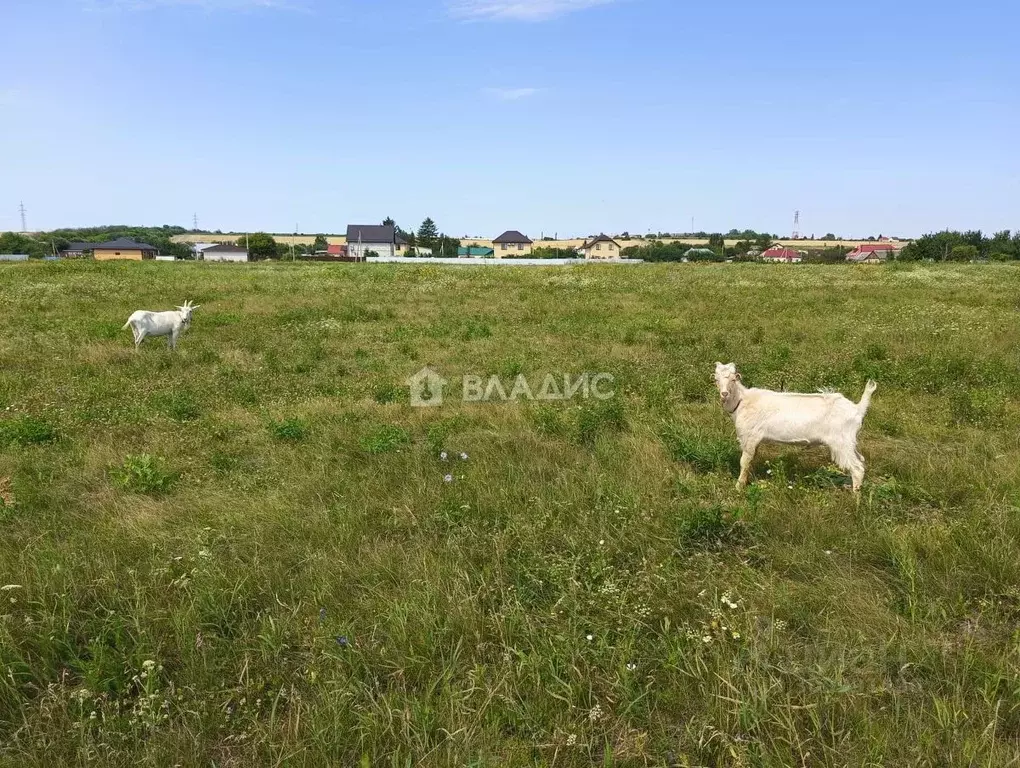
x=249, y=552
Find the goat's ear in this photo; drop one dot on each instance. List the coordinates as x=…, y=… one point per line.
x=739, y=377
x=718, y=365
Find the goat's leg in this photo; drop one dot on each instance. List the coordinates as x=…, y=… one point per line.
x=849, y=460
x=750, y=448
x=139, y=338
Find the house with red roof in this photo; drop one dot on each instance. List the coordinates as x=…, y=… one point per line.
x=780, y=254
x=871, y=253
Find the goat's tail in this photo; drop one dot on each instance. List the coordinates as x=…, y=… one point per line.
x=869, y=390
x=126, y=325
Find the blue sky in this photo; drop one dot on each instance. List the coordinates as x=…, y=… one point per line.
x=548, y=116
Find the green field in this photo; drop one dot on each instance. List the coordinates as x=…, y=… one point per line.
x=248, y=552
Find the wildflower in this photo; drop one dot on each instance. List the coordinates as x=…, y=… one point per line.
x=706, y=639
x=448, y=478
x=204, y=553
x=595, y=713
x=790, y=487
x=148, y=665
x=602, y=542
x=590, y=637
x=9, y=587
x=342, y=641
x=828, y=551
x=463, y=457
x=442, y=456
x=736, y=635
x=768, y=471
x=572, y=740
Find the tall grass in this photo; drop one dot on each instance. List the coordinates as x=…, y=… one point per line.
x=255, y=552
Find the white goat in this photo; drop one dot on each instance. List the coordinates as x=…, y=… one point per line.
x=144, y=324
x=761, y=415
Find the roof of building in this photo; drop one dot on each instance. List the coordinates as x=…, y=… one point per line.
x=372, y=233
x=226, y=248
x=79, y=245
x=512, y=236
x=122, y=244
x=336, y=249
x=603, y=238
x=780, y=252
x=869, y=248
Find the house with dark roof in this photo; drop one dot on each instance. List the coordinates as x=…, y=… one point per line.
x=123, y=248
x=782, y=255
x=601, y=247
x=381, y=239
x=76, y=249
x=871, y=253
x=512, y=244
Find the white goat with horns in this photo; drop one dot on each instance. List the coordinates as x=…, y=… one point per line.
x=172, y=324
x=825, y=418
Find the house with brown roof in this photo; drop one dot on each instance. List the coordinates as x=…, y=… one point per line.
x=512, y=244
x=601, y=247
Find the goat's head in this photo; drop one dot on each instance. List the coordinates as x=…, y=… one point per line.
x=186, y=311
x=728, y=382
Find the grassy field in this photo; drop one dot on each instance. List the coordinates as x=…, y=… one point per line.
x=250, y=553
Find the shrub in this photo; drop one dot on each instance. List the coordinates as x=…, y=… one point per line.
x=289, y=429
x=26, y=430
x=144, y=474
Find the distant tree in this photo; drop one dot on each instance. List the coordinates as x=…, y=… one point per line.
x=260, y=246
x=964, y=253
x=12, y=242
x=829, y=236
x=388, y=222
x=716, y=242
x=320, y=244
x=428, y=233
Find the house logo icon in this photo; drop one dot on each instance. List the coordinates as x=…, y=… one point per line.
x=426, y=388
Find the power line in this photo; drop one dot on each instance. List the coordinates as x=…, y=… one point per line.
x=194, y=222
x=21, y=210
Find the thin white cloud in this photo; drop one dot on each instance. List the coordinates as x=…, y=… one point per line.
x=518, y=10
x=511, y=94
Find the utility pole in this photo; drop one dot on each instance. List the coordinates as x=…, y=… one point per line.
x=21, y=210
x=194, y=222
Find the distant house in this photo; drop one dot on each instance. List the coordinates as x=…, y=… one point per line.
x=198, y=248
x=123, y=248
x=336, y=250
x=782, y=255
x=76, y=250
x=420, y=251
x=234, y=253
x=512, y=243
x=601, y=247
x=381, y=239
x=475, y=252
x=13, y=257
x=871, y=254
